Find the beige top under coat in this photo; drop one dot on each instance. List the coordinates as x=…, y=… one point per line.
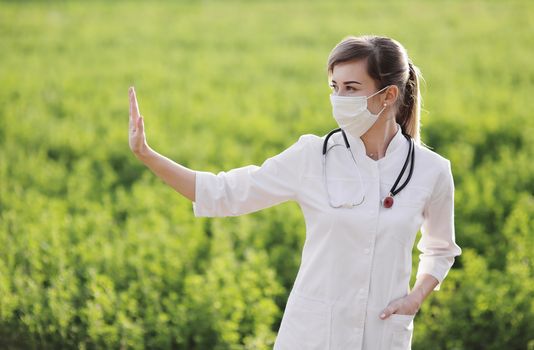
x=355, y=261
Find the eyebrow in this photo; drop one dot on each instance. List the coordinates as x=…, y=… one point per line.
x=348, y=82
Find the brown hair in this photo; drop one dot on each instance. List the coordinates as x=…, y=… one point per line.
x=388, y=64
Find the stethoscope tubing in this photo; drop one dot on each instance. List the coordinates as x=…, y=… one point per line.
x=394, y=190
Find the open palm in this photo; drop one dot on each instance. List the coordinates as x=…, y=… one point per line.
x=137, y=138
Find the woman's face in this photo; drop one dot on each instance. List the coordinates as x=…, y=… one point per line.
x=351, y=79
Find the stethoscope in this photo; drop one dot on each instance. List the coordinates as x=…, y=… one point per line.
x=387, y=201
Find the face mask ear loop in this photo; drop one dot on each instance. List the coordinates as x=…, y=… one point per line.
x=381, y=111
x=377, y=115
x=385, y=87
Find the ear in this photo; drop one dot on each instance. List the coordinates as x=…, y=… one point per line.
x=392, y=93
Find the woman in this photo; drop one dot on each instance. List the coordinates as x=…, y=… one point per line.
x=363, y=204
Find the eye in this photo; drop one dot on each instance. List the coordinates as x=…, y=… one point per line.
x=351, y=88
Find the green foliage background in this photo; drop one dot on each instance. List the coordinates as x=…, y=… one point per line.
x=97, y=252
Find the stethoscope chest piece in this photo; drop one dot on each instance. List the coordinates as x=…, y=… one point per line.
x=387, y=202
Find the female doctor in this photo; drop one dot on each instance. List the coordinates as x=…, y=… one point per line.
x=365, y=190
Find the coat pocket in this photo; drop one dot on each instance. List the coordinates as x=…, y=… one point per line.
x=401, y=327
x=305, y=325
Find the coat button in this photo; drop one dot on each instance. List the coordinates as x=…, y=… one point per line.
x=367, y=250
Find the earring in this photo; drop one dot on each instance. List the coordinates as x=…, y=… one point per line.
x=385, y=104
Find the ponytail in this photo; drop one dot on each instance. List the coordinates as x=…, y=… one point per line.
x=409, y=112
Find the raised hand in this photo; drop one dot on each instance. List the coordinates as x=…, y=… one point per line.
x=137, y=138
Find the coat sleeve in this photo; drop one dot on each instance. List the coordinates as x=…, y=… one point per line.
x=437, y=242
x=250, y=188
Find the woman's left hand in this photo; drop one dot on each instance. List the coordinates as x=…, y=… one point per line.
x=408, y=305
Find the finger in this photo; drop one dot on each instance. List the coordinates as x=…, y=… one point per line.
x=130, y=89
x=135, y=106
x=132, y=122
x=132, y=106
x=387, y=312
x=140, y=124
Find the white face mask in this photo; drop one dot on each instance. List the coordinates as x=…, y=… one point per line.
x=351, y=113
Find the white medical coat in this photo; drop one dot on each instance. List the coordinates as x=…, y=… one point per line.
x=354, y=261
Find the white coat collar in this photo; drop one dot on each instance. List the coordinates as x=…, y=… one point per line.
x=396, y=144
